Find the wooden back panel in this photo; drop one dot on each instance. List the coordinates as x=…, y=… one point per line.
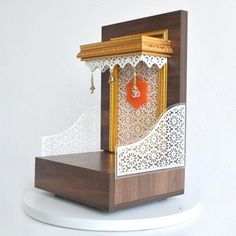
x=176, y=23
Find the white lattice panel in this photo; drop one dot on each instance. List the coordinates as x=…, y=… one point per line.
x=135, y=123
x=109, y=63
x=162, y=148
x=82, y=136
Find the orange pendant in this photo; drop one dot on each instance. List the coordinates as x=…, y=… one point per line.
x=137, y=97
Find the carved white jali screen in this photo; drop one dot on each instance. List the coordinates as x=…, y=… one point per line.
x=109, y=63
x=134, y=123
x=162, y=148
x=82, y=136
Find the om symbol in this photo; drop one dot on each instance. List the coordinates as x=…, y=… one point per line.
x=135, y=93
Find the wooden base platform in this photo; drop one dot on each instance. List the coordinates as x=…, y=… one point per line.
x=89, y=178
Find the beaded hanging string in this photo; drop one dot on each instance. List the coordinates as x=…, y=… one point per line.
x=135, y=91
x=92, y=87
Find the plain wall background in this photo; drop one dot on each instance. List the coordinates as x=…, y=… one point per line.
x=44, y=89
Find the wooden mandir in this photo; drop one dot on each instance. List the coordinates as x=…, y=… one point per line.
x=142, y=118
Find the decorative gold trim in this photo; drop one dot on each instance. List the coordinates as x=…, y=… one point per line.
x=162, y=93
x=113, y=114
x=162, y=90
x=162, y=34
x=125, y=46
x=162, y=83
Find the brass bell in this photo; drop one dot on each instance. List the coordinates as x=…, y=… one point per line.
x=111, y=77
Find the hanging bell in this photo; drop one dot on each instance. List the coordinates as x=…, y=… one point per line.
x=92, y=87
x=111, y=77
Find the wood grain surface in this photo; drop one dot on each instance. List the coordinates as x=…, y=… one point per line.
x=176, y=23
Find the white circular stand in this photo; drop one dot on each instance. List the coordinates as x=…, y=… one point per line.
x=54, y=210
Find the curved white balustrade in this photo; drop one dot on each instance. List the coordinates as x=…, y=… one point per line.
x=82, y=136
x=162, y=148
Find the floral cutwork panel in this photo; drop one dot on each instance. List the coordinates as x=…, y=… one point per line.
x=109, y=63
x=162, y=148
x=82, y=136
x=134, y=123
